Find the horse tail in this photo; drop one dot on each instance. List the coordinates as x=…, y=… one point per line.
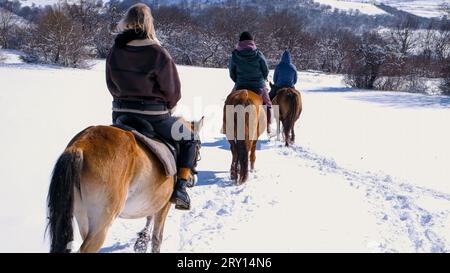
x=241, y=144
x=294, y=104
x=242, y=156
x=66, y=176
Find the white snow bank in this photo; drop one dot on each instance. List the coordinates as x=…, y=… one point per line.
x=10, y=56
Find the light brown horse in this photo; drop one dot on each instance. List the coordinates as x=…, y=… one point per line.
x=245, y=121
x=104, y=173
x=289, y=102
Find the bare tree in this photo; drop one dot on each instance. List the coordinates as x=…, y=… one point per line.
x=402, y=35
x=59, y=40
x=365, y=63
x=7, y=21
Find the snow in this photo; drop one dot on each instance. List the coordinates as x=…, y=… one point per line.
x=365, y=8
x=42, y=2
x=10, y=19
x=369, y=172
x=424, y=8
x=10, y=56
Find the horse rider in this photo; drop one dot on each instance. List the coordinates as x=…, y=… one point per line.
x=144, y=82
x=285, y=74
x=249, y=70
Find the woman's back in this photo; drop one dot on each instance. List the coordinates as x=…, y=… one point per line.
x=144, y=73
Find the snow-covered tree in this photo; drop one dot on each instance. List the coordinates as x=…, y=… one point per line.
x=7, y=25
x=366, y=60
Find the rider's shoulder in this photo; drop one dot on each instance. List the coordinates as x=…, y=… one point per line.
x=162, y=51
x=259, y=52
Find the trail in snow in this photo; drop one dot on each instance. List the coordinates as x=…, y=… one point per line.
x=406, y=219
x=397, y=203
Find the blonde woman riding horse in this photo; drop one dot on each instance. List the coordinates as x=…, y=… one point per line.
x=104, y=172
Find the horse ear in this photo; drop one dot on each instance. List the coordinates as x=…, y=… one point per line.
x=198, y=125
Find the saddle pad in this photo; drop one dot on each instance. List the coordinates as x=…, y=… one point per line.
x=161, y=151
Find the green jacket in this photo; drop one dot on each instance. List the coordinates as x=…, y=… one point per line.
x=248, y=67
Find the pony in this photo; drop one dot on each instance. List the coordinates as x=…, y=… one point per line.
x=289, y=102
x=245, y=121
x=105, y=173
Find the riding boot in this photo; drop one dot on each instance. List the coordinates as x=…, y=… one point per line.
x=180, y=196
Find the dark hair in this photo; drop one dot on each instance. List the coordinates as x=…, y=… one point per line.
x=245, y=36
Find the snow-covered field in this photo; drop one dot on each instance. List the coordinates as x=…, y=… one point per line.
x=369, y=171
x=424, y=8
x=41, y=2
x=365, y=8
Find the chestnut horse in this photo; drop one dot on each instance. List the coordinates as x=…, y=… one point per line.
x=105, y=173
x=289, y=102
x=245, y=121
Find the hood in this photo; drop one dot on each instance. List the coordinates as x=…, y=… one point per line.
x=246, y=45
x=245, y=56
x=286, y=58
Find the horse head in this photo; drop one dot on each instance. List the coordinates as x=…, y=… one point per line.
x=196, y=127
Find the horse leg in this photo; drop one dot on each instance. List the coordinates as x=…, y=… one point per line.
x=141, y=244
x=286, y=133
x=160, y=220
x=80, y=215
x=278, y=129
x=233, y=169
x=292, y=135
x=98, y=229
x=102, y=207
x=253, y=156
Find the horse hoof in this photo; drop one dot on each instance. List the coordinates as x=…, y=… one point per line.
x=141, y=244
x=242, y=180
x=233, y=176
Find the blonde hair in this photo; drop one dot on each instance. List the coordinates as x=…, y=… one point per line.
x=139, y=16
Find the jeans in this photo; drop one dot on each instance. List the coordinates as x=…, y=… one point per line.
x=163, y=127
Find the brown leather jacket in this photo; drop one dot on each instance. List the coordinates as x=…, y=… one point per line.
x=143, y=74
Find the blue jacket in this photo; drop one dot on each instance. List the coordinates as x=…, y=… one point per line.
x=248, y=67
x=285, y=72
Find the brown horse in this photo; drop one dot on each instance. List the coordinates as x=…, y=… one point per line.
x=105, y=173
x=245, y=121
x=289, y=102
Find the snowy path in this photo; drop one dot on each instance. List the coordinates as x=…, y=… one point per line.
x=314, y=210
x=369, y=172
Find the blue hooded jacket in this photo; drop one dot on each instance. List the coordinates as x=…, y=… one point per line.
x=285, y=72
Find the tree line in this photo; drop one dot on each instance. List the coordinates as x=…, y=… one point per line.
x=374, y=52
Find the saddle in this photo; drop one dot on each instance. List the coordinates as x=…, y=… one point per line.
x=242, y=87
x=144, y=133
